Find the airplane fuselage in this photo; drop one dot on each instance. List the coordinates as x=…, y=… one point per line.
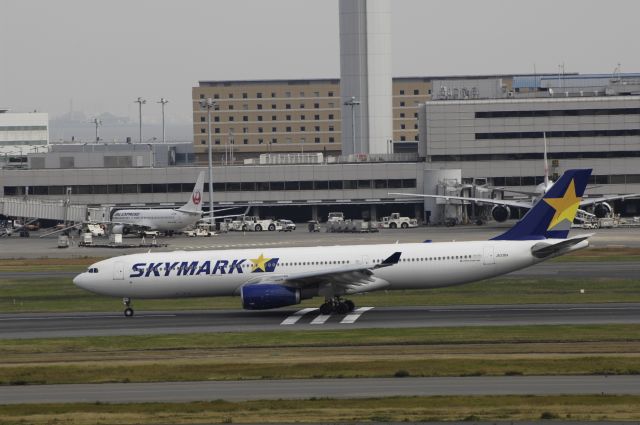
x=219, y=273
x=162, y=219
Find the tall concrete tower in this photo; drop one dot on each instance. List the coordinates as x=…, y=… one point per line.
x=365, y=75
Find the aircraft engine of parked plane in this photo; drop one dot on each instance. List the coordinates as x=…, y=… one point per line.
x=263, y=296
x=119, y=228
x=602, y=210
x=500, y=213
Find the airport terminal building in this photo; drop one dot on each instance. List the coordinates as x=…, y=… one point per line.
x=503, y=139
x=477, y=128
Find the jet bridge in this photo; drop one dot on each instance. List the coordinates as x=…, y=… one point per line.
x=43, y=209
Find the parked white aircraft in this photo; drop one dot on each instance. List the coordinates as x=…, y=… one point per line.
x=278, y=277
x=163, y=219
x=501, y=210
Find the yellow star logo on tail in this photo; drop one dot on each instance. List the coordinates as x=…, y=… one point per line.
x=260, y=263
x=566, y=207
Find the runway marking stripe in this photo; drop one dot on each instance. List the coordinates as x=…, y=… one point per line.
x=291, y=320
x=352, y=317
x=320, y=319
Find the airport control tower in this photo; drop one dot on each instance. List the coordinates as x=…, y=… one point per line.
x=365, y=75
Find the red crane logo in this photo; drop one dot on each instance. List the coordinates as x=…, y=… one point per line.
x=196, y=198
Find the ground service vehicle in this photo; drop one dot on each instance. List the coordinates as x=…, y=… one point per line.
x=335, y=217
x=394, y=221
x=255, y=224
x=286, y=225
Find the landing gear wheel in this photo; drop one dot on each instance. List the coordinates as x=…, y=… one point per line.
x=326, y=308
x=342, y=308
x=128, y=311
x=350, y=305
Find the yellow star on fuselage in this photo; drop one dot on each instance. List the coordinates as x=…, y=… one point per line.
x=259, y=263
x=566, y=207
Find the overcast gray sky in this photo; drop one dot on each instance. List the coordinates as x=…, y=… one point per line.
x=105, y=54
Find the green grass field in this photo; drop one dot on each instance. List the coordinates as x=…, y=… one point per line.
x=469, y=351
x=60, y=295
x=392, y=409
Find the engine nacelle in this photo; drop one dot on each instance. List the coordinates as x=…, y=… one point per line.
x=602, y=210
x=118, y=229
x=500, y=213
x=263, y=296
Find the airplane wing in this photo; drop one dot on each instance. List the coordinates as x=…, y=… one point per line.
x=205, y=215
x=591, y=201
x=520, y=192
x=352, y=278
x=503, y=202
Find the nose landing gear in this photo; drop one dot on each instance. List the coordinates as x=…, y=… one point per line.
x=128, y=311
x=337, y=305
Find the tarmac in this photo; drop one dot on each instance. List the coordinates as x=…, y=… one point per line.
x=46, y=247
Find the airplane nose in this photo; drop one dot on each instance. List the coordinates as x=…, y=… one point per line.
x=80, y=281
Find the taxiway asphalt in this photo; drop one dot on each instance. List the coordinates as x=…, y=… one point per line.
x=35, y=247
x=43, y=325
x=307, y=388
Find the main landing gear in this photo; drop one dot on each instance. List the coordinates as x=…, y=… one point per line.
x=336, y=305
x=128, y=311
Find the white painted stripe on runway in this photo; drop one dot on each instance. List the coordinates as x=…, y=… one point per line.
x=291, y=320
x=352, y=317
x=320, y=319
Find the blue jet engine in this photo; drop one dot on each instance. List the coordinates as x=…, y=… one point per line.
x=263, y=296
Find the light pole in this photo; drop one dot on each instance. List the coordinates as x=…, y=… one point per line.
x=163, y=101
x=209, y=104
x=231, y=143
x=98, y=123
x=140, y=101
x=353, y=102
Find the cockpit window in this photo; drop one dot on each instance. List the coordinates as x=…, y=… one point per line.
x=93, y=270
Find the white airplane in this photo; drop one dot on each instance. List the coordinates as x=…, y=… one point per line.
x=501, y=210
x=279, y=277
x=163, y=219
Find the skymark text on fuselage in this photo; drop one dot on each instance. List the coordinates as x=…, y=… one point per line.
x=197, y=268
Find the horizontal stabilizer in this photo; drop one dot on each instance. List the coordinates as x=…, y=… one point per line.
x=545, y=249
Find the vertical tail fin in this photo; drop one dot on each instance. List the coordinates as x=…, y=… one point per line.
x=553, y=214
x=194, y=204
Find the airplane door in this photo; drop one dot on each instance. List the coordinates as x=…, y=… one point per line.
x=118, y=271
x=365, y=259
x=487, y=256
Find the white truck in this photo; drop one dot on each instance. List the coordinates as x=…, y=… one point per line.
x=395, y=221
x=335, y=217
x=255, y=224
x=202, y=229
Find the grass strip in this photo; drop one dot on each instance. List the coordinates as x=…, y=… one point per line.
x=509, y=350
x=211, y=370
x=326, y=410
x=325, y=338
x=60, y=295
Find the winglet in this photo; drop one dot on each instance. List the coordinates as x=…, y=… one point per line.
x=391, y=260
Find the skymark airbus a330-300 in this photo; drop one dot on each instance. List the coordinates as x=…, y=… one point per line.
x=282, y=277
